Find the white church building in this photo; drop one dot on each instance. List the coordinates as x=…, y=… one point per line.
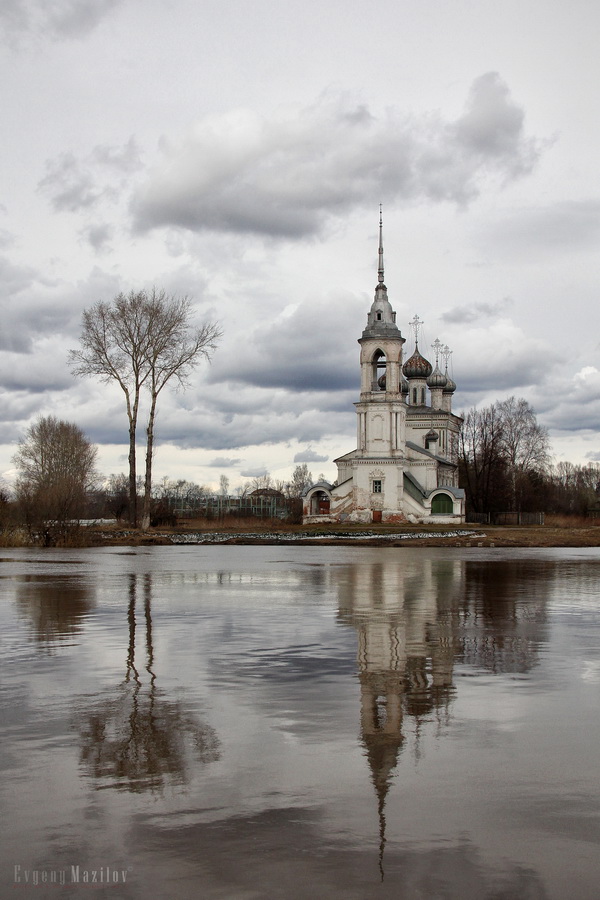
x=405, y=466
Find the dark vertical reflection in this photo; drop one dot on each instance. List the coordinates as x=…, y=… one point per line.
x=138, y=740
x=55, y=605
x=503, y=613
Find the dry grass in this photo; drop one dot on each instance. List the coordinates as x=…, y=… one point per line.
x=13, y=537
x=232, y=523
x=562, y=521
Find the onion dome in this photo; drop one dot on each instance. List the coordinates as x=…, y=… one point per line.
x=417, y=366
x=437, y=379
x=404, y=388
x=431, y=436
x=450, y=386
x=381, y=382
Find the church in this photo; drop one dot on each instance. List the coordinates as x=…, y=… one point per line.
x=405, y=466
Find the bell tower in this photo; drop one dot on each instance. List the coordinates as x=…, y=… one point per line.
x=381, y=409
x=404, y=467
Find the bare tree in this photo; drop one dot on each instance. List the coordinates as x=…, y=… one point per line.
x=57, y=469
x=504, y=453
x=114, y=346
x=175, y=349
x=482, y=464
x=261, y=482
x=524, y=443
x=301, y=479
x=144, y=339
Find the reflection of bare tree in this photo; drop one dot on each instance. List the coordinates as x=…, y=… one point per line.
x=140, y=740
x=54, y=604
x=502, y=613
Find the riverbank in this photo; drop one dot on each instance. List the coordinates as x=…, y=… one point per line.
x=550, y=535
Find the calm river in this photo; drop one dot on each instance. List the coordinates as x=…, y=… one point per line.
x=232, y=723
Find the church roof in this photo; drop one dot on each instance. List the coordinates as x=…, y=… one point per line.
x=417, y=366
x=437, y=379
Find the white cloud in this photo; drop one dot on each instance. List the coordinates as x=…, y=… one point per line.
x=287, y=175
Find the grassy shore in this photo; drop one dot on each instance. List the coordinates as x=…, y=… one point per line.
x=557, y=532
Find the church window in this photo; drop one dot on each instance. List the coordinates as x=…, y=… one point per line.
x=379, y=317
x=441, y=504
x=423, y=396
x=377, y=486
x=414, y=396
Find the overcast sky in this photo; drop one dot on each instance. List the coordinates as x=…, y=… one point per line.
x=237, y=152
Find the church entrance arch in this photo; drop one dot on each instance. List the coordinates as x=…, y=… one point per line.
x=441, y=505
x=319, y=504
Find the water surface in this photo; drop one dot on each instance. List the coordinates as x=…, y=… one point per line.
x=292, y=722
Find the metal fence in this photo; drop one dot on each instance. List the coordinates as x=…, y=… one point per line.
x=506, y=518
x=244, y=507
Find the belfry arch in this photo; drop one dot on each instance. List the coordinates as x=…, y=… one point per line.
x=378, y=370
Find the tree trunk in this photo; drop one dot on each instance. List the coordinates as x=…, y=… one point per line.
x=133, y=414
x=148, y=476
x=132, y=479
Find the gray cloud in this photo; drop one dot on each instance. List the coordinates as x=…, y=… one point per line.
x=98, y=236
x=14, y=281
x=56, y=19
x=69, y=185
x=534, y=232
x=463, y=315
x=305, y=351
x=34, y=312
x=208, y=428
x=285, y=177
x=492, y=126
x=309, y=455
x=223, y=462
x=574, y=404
x=73, y=185
x=254, y=473
x=32, y=373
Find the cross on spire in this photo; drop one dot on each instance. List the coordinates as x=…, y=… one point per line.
x=446, y=353
x=415, y=324
x=380, y=266
x=437, y=349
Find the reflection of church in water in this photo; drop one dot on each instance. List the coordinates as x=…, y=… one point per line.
x=405, y=466
x=416, y=619
x=406, y=650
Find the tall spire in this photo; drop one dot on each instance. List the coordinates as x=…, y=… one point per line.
x=381, y=319
x=380, y=267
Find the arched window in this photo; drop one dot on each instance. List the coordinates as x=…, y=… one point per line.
x=441, y=504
